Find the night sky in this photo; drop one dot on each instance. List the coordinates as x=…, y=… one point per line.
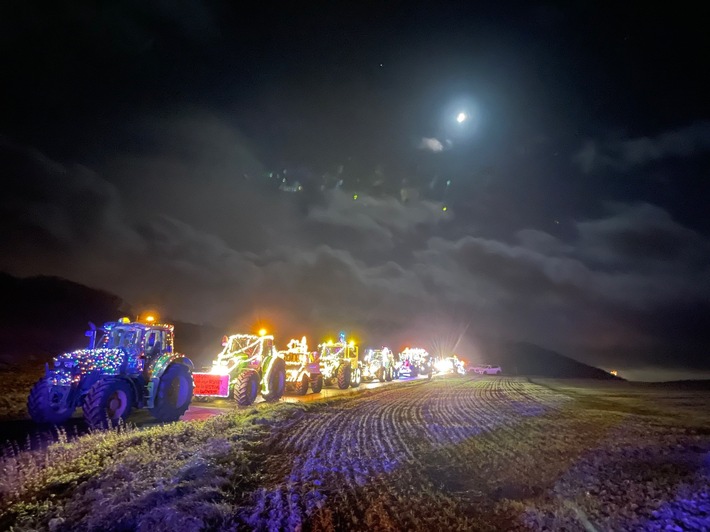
x=304, y=167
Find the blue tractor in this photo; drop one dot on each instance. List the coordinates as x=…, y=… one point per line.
x=127, y=365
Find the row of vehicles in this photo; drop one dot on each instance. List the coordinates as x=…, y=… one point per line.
x=130, y=365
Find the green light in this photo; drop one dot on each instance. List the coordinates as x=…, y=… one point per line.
x=354, y=196
x=444, y=208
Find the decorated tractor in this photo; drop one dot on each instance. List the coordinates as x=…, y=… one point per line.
x=247, y=365
x=340, y=364
x=379, y=364
x=450, y=365
x=132, y=365
x=302, y=368
x=415, y=361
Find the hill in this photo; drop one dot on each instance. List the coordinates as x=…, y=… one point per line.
x=522, y=358
x=44, y=316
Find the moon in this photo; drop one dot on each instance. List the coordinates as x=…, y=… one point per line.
x=461, y=117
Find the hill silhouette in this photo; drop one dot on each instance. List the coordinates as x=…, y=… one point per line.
x=45, y=316
x=522, y=358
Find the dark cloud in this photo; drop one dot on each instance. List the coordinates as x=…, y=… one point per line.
x=624, y=154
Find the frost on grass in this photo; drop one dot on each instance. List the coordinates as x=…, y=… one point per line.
x=171, y=477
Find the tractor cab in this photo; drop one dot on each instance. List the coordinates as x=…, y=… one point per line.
x=144, y=342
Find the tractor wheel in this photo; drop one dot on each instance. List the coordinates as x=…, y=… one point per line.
x=174, y=393
x=107, y=402
x=317, y=383
x=302, y=385
x=276, y=380
x=388, y=374
x=46, y=407
x=380, y=374
x=246, y=388
x=415, y=371
x=356, y=378
x=343, y=376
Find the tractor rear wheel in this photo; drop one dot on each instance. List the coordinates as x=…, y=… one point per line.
x=246, y=388
x=45, y=406
x=108, y=402
x=355, y=378
x=276, y=381
x=380, y=374
x=174, y=393
x=388, y=374
x=317, y=383
x=302, y=385
x=343, y=376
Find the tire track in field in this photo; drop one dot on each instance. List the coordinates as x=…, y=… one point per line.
x=336, y=452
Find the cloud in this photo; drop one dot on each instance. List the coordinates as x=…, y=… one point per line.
x=628, y=153
x=431, y=144
x=382, y=216
x=624, y=287
x=63, y=206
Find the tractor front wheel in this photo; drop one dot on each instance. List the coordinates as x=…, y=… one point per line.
x=317, y=383
x=246, y=388
x=46, y=406
x=276, y=381
x=108, y=402
x=174, y=393
x=343, y=376
x=302, y=385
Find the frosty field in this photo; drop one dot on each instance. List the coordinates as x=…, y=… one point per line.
x=454, y=453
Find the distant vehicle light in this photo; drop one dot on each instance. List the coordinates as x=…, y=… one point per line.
x=443, y=365
x=262, y=332
x=150, y=319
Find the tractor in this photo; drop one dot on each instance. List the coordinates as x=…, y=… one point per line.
x=132, y=365
x=415, y=361
x=378, y=364
x=302, y=368
x=450, y=365
x=340, y=364
x=248, y=364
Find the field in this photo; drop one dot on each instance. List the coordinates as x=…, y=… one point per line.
x=454, y=453
x=15, y=383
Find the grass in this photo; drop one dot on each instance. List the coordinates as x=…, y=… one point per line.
x=16, y=381
x=460, y=453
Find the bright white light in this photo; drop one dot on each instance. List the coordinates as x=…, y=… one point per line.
x=443, y=365
x=461, y=117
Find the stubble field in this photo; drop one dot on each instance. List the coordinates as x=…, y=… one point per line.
x=453, y=453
